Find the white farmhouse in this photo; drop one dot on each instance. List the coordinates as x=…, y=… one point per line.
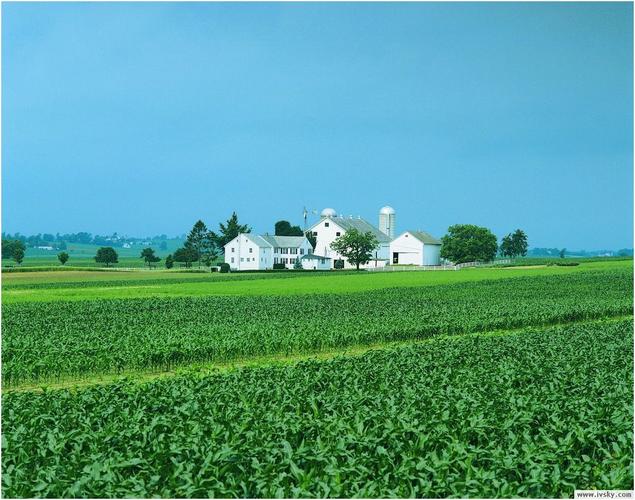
x=416, y=248
x=250, y=252
x=331, y=226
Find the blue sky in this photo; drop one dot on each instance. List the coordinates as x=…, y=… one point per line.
x=141, y=118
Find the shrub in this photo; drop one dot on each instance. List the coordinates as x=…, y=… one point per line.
x=224, y=267
x=279, y=266
x=338, y=264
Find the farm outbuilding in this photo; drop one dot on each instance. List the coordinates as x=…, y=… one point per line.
x=415, y=248
x=315, y=262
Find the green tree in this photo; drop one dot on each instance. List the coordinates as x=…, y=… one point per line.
x=169, y=262
x=519, y=243
x=284, y=228
x=228, y=232
x=563, y=252
x=186, y=254
x=163, y=245
x=297, y=265
x=107, y=256
x=355, y=246
x=201, y=240
x=506, y=248
x=312, y=239
x=18, y=255
x=147, y=254
x=9, y=247
x=468, y=243
x=62, y=257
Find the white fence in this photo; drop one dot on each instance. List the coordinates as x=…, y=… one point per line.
x=443, y=267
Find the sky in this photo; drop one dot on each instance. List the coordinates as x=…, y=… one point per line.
x=141, y=118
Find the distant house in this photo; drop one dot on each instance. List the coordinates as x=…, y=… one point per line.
x=250, y=252
x=416, y=248
x=45, y=247
x=331, y=226
x=126, y=245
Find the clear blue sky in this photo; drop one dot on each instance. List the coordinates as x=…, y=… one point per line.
x=142, y=118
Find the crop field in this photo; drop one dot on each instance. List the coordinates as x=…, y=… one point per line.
x=473, y=383
x=88, y=285
x=535, y=414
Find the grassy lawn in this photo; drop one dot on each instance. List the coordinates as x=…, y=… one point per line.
x=193, y=284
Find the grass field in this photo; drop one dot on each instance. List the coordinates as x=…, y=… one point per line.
x=78, y=285
x=491, y=382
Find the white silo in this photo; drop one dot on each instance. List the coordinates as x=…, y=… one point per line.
x=387, y=220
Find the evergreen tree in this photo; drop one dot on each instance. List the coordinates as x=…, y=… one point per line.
x=228, y=232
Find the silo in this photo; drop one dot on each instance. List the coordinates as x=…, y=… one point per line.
x=387, y=219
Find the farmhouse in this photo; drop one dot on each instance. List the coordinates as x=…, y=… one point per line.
x=250, y=252
x=415, y=248
x=331, y=226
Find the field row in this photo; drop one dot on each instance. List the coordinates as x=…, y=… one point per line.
x=136, y=285
x=537, y=413
x=49, y=341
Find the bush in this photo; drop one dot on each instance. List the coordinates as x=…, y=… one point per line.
x=224, y=267
x=279, y=266
x=338, y=264
x=567, y=264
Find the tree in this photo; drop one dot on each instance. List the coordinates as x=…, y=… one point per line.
x=163, y=245
x=297, y=265
x=506, y=248
x=62, y=257
x=519, y=243
x=197, y=239
x=312, y=239
x=355, y=246
x=186, y=254
x=10, y=246
x=514, y=244
x=18, y=255
x=61, y=245
x=228, y=232
x=563, y=252
x=284, y=228
x=468, y=243
x=148, y=255
x=106, y=255
x=169, y=262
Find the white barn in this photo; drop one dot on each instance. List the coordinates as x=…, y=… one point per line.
x=415, y=248
x=250, y=252
x=331, y=226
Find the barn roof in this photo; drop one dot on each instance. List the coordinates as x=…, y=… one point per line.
x=361, y=225
x=425, y=238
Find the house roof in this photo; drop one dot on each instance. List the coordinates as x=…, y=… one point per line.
x=311, y=256
x=425, y=238
x=360, y=224
x=267, y=240
x=284, y=241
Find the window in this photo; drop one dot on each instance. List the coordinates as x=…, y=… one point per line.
x=338, y=233
x=321, y=261
x=242, y=259
x=326, y=224
x=233, y=249
x=251, y=250
x=314, y=233
x=301, y=251
x=232, y=260
x=294, y=251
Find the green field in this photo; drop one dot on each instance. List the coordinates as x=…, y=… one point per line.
x=83, y=255
x=89, y=285
x=492, y=382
